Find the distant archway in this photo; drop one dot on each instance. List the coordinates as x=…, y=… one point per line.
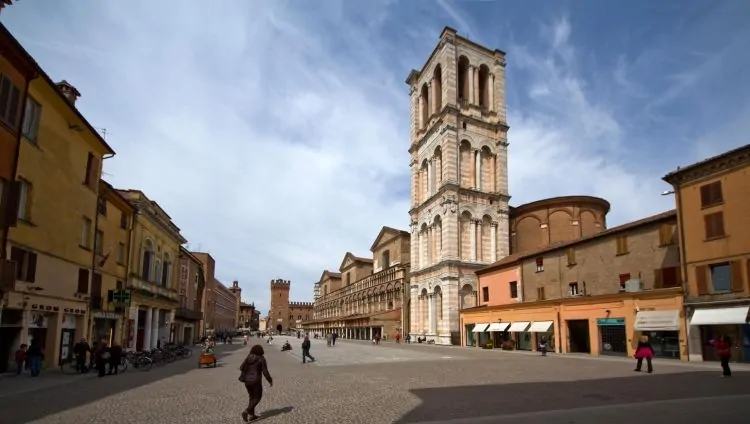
x=279, y=327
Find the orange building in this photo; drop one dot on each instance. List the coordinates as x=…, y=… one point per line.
x=713, y=209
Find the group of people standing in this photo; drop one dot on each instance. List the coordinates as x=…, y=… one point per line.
x=31, y=357
x=105, y=358
x=723, y=346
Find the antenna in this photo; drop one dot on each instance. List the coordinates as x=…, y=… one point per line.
x=104, y=133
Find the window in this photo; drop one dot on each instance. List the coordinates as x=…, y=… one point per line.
x=386, y=259
x=101, y=205
x=573, y=289
x=86, y=233
x=667, y=234
x=721, y=277
x=120, y=253
x=10, y=99
x=714, y=225
x=667, y=277
x=32, y=117
x=3, y=197
x=622, y=245
x=571, y=254
x=96, y=285
x=711, y=195
x=24, y=199
x=92, y=172
x=539, y=264
x=485, y=294
x=299, y=317
x=83, y=281
x=118, y=285
x=624, y=278
x=25, y=264
x=540, y=293
x=123, y=221
x=99, y=242
x=348, y=279
x=513, y=289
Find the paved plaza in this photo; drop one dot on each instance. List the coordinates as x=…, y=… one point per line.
x=356, y=382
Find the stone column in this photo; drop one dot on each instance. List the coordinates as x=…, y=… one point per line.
x=429, y=179
x=155, y=327
x=473, y=229
x=491, y=92
x=147, y=329
x=470, y=71
x=493, y=241
x=478, y=169
x=430, y=313
x=476, y=84
x=421, y=249
x=420, y=107
x=133, y=313
x=433, y=96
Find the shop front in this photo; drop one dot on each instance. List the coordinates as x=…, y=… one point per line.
x=515, y=326
x=663, y=331
x=106, y=326
x=613, y=339
x=709, y=323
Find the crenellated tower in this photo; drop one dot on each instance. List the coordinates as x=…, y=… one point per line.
x=459, y=180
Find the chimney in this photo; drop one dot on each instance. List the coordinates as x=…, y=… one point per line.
x=70, y=92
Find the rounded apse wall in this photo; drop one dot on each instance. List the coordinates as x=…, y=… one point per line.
x=556, y=220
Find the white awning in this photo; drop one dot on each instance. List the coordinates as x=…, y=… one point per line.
x=519, y=327
x=657, y=321
x=479, y=328
x=498, y=327
x=720, y=316
x=540, y=326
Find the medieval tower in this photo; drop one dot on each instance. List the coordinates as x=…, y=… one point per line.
x=459, y=181
x=278, y=317
x=237, y=292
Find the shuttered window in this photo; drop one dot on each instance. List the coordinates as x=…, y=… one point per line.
x=622, y=245
x=711, y=195
x=714, y=223
x=667, y=234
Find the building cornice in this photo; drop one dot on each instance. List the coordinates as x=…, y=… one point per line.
x=442, y=125
x=725, y=162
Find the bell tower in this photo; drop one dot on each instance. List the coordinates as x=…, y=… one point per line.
x=459, y=180
x=278, y=316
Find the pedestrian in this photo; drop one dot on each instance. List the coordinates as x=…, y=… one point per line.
x=252, y=371
x=34, y=357
x=329, y=338
x=543, y=346
x=306, y=350
x=644, y=351
x=398, y=338
x=723, y=347
x=20, y=358
x=334, y=336
x=101, y=357
x=80, y=350
x=407, y=339
x=115, y=358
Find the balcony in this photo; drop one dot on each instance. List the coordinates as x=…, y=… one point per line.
x=395, y=273
x=148, y=288
x=188, y=314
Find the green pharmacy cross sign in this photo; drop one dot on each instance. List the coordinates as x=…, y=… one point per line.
x=120, y=296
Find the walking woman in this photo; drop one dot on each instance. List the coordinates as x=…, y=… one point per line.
x=253, y=369
x=724, y=351
x=644, y=351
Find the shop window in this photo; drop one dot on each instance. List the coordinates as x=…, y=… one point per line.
x=721, y=277
x=513, y=289
x=539, y=264
x=622, y=245
x=711, y=195
x=624, y=279
x=714, y=225
x=485, y=294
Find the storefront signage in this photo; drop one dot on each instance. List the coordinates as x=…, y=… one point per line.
x=75, y=311
x=105, y=315
x=38, y=307
x=610, y=322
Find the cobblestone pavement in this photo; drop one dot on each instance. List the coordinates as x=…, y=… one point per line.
x=357, y=382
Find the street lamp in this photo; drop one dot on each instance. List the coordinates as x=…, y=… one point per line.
x=667, y=192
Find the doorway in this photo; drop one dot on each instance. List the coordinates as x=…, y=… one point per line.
x=579, y=339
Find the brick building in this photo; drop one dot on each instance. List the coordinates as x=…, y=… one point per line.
x=249, y=316
x=285, y=315
x=593, y=295
x=225, y=309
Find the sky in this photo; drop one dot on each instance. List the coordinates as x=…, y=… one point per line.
x=275, y=133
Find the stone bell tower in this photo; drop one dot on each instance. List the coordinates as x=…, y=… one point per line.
x=459, y=180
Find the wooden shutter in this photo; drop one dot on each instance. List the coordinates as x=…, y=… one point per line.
x=96, y=285
x=93, y=177
x=658, y=279
x=31, y=267
x=9, y=217
x=738, y=284
x=83, y=281
x=701, y=279
x=571, y=256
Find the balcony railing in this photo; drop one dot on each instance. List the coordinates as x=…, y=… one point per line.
x=388, y=275
x=188, y=314
x=139, y=284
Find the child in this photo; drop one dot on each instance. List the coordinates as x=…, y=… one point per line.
x=543, y=346
x=20, y=358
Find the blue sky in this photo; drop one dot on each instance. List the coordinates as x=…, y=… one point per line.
x=276, y=133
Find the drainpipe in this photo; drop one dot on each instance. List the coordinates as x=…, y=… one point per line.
x=93, y=252
x=683, y=261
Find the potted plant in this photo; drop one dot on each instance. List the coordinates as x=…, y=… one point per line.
x=488, y=345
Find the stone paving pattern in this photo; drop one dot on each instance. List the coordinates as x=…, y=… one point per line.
x=356, y=382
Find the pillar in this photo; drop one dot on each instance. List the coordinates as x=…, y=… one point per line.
x=53, y=339
x=134, y=314
x=470, y=71
x=155, y=327
x=478, y=169
x=147, y=330
x=420, y=108
x=431, y=313
x=473, y=240
x=491, y=92
x=475, y=86
x=493, y=241
x=429, y=179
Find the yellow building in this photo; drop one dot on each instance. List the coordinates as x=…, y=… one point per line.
x=152, y=279
x=111, y=248
x=52, y=245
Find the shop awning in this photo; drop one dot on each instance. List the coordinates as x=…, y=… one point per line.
x=479, y=328
x=540, y=326
x=498, y=327
x=657, y=321
x=720, y=316
x=519, y=327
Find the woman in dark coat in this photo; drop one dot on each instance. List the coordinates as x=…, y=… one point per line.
x=253, y=369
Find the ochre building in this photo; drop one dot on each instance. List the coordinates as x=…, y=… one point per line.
x=189, y=315
x=459, y=180
x=153, y=282
x=368, y=296
x=593, y=295
x=713, y=209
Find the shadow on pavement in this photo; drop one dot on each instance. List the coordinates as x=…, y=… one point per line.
x=276, y=411
x=48, y=400
x=464, y=402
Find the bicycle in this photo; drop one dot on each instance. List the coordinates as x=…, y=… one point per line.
x=140, y=361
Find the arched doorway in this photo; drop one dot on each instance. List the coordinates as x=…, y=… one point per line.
x=279, y=327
